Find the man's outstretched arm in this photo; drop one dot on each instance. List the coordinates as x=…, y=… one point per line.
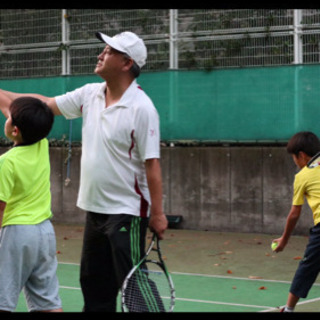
x=6, y=97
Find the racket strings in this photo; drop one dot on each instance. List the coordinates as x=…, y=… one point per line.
x=147, y=290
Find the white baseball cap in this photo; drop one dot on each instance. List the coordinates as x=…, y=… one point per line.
x=129, y=43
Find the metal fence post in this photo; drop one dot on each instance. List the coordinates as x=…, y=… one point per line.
x=173, y=39
x=297, y=39
x=64, y=45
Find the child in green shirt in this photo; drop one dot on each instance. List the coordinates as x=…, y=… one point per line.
x=303, y=146
x=27, y=239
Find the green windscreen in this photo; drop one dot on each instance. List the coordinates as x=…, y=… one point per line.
x=241, y=105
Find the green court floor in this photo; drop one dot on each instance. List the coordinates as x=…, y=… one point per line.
x=212, y=271
x=200, y=293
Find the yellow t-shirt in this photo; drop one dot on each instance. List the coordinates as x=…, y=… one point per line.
x=25, y=184
x=307, y=184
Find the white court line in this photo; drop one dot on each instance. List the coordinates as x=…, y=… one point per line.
x=69, y=288
x=228, y=277
x=267, y=308
x=298, y=304
x=208, y=275
x=235, y=278
x=308, y=301
x=214, y=276
x=71, y=263
x=199, y=301
x=224, y=303
x=191, y=300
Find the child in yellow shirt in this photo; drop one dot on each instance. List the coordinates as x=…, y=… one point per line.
x=303, y=146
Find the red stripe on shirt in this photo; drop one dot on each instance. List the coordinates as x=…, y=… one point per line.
x=132, y=143
x=143, y=202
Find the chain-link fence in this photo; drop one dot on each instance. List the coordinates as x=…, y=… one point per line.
x=51, y=42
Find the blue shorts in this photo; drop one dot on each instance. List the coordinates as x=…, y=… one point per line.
x=309, y=266
x=28, y=261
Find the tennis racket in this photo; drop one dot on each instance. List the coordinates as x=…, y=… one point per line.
x=148, y=287
x=314, y=161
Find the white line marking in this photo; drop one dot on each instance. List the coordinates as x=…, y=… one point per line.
x=70, y=263
x=223, y=303
x=212, y=276
x=298, y=304
x=234, y=278
x=69, y=288
x=267, y=308
x=308, y=301
x=199, y=301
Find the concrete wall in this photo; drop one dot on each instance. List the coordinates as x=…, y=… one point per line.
x=241, y=189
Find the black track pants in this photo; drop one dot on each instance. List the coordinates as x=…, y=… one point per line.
x=112, y=245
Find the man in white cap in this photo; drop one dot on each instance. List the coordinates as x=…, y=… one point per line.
x=120, y=183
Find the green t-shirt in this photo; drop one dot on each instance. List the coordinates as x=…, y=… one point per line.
x=25, y=184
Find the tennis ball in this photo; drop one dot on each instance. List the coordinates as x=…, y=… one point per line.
x=274, y=245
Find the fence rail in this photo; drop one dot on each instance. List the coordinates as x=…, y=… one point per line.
x=51, y=42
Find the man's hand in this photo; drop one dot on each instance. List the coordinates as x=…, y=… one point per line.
x=158, y=223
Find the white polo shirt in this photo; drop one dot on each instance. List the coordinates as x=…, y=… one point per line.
x=115, y=143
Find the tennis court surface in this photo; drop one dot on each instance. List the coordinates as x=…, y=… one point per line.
x=212, y=271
